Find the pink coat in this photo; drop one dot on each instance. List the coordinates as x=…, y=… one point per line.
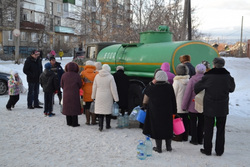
x=166, y=67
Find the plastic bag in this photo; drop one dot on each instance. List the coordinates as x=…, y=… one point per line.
x=92, y=107
x=134, y=113
x=115, y=109
x=199, y=101
x=141, y=116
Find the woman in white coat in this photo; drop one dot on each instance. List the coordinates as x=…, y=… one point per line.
x=104, y=92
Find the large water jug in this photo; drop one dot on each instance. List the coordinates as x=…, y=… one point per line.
x=126, y=120
x=141, y=150
x=120, y=121
x=134, y=113
x=149, y=146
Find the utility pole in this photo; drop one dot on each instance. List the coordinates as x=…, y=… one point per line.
x=189, y=21
x=241, y=47
x=17, y=38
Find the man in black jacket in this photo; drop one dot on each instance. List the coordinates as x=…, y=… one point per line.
x=217, y=84
x=32, y=68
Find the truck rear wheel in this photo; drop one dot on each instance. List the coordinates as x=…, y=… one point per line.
x=135, y=96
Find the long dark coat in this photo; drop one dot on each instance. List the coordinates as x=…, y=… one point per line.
x=160, y=110
x=217, y=83
x=71, y=83
x=32, y=68
x=122, y=84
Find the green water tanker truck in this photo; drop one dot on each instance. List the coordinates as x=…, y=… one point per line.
x=140, y=60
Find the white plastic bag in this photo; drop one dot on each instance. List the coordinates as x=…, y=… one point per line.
x=199, y=101
x=92, y=107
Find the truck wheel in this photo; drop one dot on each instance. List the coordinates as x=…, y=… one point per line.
x=135, y=96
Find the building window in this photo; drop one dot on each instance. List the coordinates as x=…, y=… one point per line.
x=66, y=39
x=59, y=8
x=10, y=15
x=23, y=36
x=34, y=37
x=45, y=38
x=51, y=8
x=65, y=7
x=10, y=36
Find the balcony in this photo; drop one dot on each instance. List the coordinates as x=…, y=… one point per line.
x=62, y=29
x=69, y=1
x=31, y=25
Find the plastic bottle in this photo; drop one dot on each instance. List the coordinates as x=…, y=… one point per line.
x=126, y=120
x=120, y=121
x=134, y=113
x=149, y=146
x=141, y=149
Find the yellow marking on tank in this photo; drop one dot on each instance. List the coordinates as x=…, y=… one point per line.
x=113, y=63
x=176, y=50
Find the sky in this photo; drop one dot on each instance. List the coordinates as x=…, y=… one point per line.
x=221, y=19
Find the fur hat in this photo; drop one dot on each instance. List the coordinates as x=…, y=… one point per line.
x=89, y=62
x=47, y=66
x=206, y=63
x=161, y=76
x=98, y=65
x=106, y=67
x=119, y=68
x=200, y=69
x=185, y=58
x=218, y=62
x=182, y=69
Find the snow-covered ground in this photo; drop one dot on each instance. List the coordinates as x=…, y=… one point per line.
x=27, y=138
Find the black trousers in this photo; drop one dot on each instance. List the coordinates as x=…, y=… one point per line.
x=48, y=102
x=220, y=134
x=196, y=127
x=12, y=100
x=72, y=120
x=186, y=123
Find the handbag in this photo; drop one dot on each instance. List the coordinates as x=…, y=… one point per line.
x=141, y=116
x=115, y=109
x=92, y=107
x=198, y=99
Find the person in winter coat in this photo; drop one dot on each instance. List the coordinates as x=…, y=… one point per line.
x=166, y=67
x=49, y=83
x=15, y=85
x=161, y=105
x=88, y=76
x=98, y=66
x=122, y=83
x=217, y=83
x=58, y=70
x=188, y=104
x=61, y=54
x=186, y=59
x=32, y=68
x=180, y=84
x=71, y=83
x=207, y=64
x=104, y=92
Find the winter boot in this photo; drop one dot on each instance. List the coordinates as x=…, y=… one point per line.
x=93, y=119
x=108, y=118
x=168, y=145
x=69, y=120
x=75, y=121
x=87, y=113
x=158, y=146
x=101, y=122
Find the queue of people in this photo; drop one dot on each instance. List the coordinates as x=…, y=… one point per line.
x=166, y=95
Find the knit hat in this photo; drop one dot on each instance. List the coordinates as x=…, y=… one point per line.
x=106, y=67
x=89, y=62
x=161, y=76
x=47, y=66
x=98, y=65
x=184, y=58
x=182, y=69
x=200, y=69
x=119, y=68
x=13, y=72
x=218, y=62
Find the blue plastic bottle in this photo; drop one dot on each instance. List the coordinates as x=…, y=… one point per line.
x=126, y=120
x=149, y=146
x=120, y=121
x=141, y=150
